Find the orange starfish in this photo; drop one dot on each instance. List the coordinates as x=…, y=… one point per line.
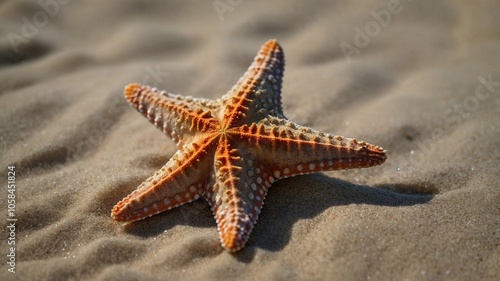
x=232, y=149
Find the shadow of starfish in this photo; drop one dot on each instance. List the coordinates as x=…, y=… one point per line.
x=288, y=200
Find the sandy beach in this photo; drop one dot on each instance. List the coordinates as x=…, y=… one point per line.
x=419, y=78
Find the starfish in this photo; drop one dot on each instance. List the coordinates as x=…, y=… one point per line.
x=231, y=150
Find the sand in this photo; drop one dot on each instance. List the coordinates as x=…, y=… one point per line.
x=419, y=78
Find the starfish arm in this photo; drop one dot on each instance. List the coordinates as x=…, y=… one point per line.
x=180, y=181
x=176, y=116
x=257, y=94
x=237, y=196
x=290, y=149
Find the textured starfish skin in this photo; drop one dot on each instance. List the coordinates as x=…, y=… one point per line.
x=232, y=149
